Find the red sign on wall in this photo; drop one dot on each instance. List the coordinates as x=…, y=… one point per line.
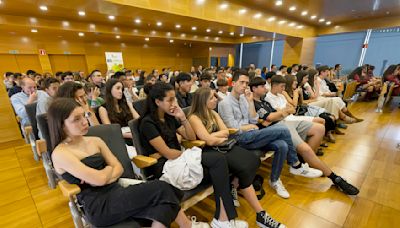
x=42, y=52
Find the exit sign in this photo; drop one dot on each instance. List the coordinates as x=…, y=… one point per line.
x=42, y=52
x=13, y=51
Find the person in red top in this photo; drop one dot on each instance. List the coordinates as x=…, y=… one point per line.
x=392, y=74
x=368, y=86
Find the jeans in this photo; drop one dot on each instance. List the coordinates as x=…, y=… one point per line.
x=276, y=138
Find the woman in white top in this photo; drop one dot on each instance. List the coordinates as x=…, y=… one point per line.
x=311, y=95
x=222, y=88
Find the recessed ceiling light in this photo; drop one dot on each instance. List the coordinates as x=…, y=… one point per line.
x=168, y=34
x=117, y=36
x=194, y=28
x=223, y=6
x=147, y=39
x=278, y=3
x=220, y=32
x=159, y=23
x=304, y=13
x=135, y=31
x=232, y=33
x=33, y=20
x=65, y=23
x=195, y=36
x=138, y=21
x=34, y=30
x=178, y=26
x=321, y=20
x=208, y=30
x=281, y=22
x=271, y=19
x=43, y=8
x=111, y=17
x=210, y=48
x=242, y=11
x=116, y=29
x=254, y=37
x=81, y=34
x=206, y=37
x=216, y=38
x=200, y=2
x=292, y=8
x=241, y=35
x=81, y=13
x=328, y=23
x=92, y=26
x=171, y=41
x=258, y=15
x=299, y=26
x=313, y=17
x=183, y=35
x=292, y=24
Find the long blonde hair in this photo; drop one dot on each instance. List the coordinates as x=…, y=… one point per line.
x=199, y=108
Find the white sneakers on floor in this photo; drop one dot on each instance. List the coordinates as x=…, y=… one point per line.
x=229, y=224
x=196, y=224
x=279, y=188
x=306, y=171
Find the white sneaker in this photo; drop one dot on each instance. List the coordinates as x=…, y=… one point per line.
x=229, y=224
x=196, y=224
x=279, y=188
x=306, y=171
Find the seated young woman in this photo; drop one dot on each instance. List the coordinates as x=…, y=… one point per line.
x=294, y=97
x=158, y=127
x=368, y=86
x=306, y=81
x=77, y=92
x=89, y=163
x=116, y=109
x=242, y=163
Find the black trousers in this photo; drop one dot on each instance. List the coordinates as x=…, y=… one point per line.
x=112, y=204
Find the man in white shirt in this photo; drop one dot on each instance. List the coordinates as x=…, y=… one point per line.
x=282, y=70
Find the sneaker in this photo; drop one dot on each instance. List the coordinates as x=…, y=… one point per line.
x=196, y=224
x=229, y=224
x=235, y=196
x=345, y=187
x=279, y=188
x=265, y=221
x=306, y=171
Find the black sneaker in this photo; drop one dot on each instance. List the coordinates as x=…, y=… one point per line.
x=235, y=196
x=345, y=187
x=265, y=221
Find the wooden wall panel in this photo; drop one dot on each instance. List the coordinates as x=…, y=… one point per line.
x=77, y=63
x=28, y=62
x=292, y=50
x=9, y=130
x=8, y=63
x=308, y=51
x=59, y=62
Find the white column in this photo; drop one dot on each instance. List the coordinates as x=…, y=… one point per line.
x=364, y=47
x=272, y=51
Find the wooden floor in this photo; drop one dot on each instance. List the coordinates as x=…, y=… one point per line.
x=368, y=156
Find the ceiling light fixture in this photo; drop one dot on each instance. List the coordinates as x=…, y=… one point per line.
x=81, y=13
x=241, y=35
x=117, y=36
x=281, y=22
x=232, y=33
x=200, y=2
x=208, y=30
x=178, y=26
x=171, y=41
x=223, y=6
x=159, y=23
x=271, y=19
x=220, y=32
x=168, y=34
x=328, y=23
x=216, y=38
x=304, y=13
x=257, y=16
x=147, y=39
x=313, y=17
x=299, y=26
x=194, y=28
x=43, y=8
x=34, y=30
x=111, y=17
x=242, y=11
x=278, y=3
x=65, y=23
x=292, y=24
x=321, y=20
x=292, y=8
x=81, y=34
x=138, y=21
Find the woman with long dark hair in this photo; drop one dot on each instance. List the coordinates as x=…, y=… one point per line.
x=89, y=163
x=242, y=163
x=116, y=109
x=368, y=86
x=163, y=119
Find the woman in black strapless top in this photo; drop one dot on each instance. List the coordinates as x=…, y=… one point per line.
x=88, y=162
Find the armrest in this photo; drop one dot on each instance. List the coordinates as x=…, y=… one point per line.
x=233, y=131
x=41, y=147
x=155, y=155
x=189, y=144
x=143, y=161
x=69, y=190
x=28, y=130
x=18, y=119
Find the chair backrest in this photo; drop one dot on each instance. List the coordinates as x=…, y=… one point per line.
x=140, y=106
x=389, y=94
x=31, y=112
x=350, y=90
x=134, y=126
x=111, y=134
x=44, y=129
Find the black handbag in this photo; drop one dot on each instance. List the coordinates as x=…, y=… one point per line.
x=225, y=146
x=301, y=110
